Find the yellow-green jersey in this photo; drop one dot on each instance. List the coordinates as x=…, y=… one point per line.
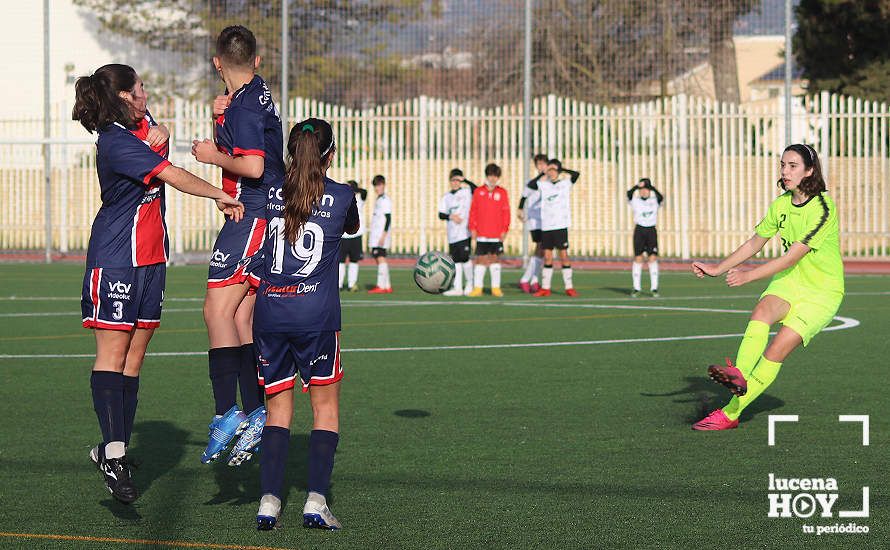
x=815, y=224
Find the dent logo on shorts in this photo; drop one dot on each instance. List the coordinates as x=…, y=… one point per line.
x=119, y=290
x=218, y=259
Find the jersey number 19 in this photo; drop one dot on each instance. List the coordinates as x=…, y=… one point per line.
x=306, y=249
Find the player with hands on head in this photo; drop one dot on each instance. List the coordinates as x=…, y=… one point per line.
x=556, y=218
x=645, y=201
x=530, y=213
x=805, y=290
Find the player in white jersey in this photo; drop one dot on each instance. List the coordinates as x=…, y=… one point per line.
x=351, y=243
x=645, y=207
x=530, y=213
x=381, y=235
x=556, y=218
x=454, y=208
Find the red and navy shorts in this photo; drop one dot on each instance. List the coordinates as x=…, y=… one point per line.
x=235, y=244
x=282, y=356
x=121, y=298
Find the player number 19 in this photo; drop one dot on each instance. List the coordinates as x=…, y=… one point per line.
x=307, y=248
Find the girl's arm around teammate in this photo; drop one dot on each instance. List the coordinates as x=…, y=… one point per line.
x=193, y=185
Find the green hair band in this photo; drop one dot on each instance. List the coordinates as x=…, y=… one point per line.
x=307, y=128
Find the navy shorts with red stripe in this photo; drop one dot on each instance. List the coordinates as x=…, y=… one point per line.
x=123, y=298
x=236, y=242
x=283, y=356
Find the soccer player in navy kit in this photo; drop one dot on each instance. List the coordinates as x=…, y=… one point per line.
x=123, y=286
x=248, y=148
x=297, y=317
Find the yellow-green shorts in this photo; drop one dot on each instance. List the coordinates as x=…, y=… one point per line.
x=810, y=311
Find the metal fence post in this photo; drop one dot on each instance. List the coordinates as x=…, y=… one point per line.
x=424, y=157
x=684, y=184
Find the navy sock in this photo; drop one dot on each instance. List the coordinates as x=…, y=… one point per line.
x=322, y=446
x=224, y=366
x=108, y=402
x=131, y=391
x=248, y=383
x=273, y=459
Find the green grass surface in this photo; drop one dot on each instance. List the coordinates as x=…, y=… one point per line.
x=577, y=446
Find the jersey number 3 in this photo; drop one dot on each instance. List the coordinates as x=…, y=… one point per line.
x=306, y=249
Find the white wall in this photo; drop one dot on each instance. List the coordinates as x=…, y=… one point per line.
x=75, y=38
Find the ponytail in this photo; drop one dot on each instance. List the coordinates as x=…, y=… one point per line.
x=96, y=100
x=309, y=146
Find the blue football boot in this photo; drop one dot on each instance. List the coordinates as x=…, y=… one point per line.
x=222, y=430
x=248, y=444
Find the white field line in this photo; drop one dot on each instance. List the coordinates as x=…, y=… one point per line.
x=845, y=323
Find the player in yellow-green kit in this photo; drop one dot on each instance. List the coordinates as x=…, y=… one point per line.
x=805, y=292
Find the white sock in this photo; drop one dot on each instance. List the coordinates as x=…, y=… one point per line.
x=386, y=276
x=567, y=277
x=468, y=273
x=341, y=272
x=636, y=272
x=352, y=277
x=381, y=275
x=478, y=276
x=529, y=271
x=546, y=277
x=458, y=277
x=653, y=275
x=495, y=275
x=115, y=449
x=539, y=264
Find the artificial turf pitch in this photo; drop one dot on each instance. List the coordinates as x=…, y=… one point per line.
x=540, y=446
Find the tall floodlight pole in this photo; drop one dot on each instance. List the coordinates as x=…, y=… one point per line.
x=788, y=70
x=282, y=109
x=526, y=111
x=47, y=130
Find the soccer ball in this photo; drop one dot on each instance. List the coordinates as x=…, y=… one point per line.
x=434, y=272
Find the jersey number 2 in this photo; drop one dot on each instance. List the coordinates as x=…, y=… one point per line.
x=307, y=248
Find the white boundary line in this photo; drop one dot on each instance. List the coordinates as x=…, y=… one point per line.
x=846, y=323
x=435, y=302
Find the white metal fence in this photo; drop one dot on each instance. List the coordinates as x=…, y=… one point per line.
x=715, y=163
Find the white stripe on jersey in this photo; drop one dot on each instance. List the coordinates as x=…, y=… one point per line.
x=645, y=211
x=249, y=238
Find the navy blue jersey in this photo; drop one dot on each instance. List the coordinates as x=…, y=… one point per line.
x=251, y=125
x=299, y=287
x=129, y=229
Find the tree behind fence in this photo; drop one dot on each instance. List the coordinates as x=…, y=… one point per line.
x=716, y=163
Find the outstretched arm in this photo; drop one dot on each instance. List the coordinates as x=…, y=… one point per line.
x=749, y=248
x=187, y=182
x=736, y=277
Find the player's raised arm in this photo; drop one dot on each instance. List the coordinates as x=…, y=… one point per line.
x=248, y=166
x=573, y=174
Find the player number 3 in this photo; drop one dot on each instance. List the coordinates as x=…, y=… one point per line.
x=307, y=248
